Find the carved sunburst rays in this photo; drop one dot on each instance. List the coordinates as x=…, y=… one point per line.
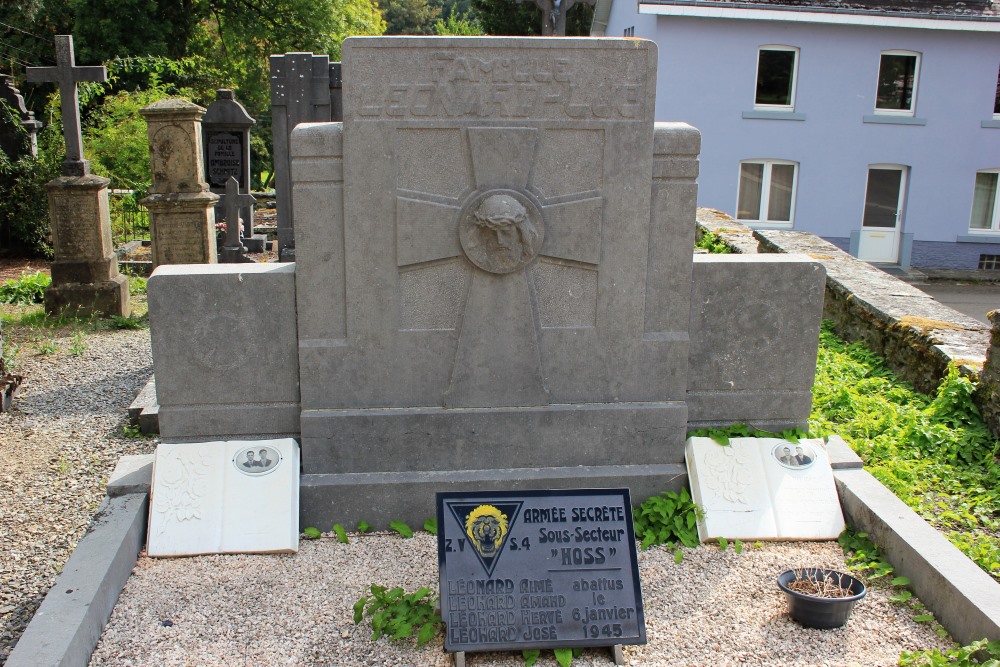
x=429, y=206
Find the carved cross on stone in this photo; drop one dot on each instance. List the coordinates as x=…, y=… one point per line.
x=504, y=226
x=67, y=74
x=233, y=201
x=554, y=15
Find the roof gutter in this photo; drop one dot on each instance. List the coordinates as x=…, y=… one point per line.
x=829, y=15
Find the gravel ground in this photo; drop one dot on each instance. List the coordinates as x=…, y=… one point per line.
x=714, y=608
x=59, y=445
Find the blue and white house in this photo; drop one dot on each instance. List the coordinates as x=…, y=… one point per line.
x=875, y=125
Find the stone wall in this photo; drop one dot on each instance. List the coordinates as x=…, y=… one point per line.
x=918, y=336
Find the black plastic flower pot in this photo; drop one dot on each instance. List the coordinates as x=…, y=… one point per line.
x=814, y=611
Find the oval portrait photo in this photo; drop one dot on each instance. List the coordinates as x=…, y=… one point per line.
x=257, y=460
x=794, y=455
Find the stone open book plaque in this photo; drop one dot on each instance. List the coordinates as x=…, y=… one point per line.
x=239, y=496
x=763, y=488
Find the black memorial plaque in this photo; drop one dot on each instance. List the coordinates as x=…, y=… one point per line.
x=538, y=569
x=224, y=158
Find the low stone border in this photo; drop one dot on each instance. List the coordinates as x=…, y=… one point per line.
x=68, y=625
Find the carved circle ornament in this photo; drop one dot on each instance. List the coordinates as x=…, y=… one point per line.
x=501, y=230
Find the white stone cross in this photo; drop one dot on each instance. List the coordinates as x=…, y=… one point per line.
x=66, y=73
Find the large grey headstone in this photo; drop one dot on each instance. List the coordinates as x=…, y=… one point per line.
x=481, y=280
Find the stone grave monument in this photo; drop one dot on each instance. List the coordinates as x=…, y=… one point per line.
x=20, y=139
x=226, y=134
x=305, y=88
x=494, y=288
x=234, y=203
x=181, y=206
x=85, y=278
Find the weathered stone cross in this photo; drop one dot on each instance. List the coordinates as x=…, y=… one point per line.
x=233, y=201
x=66, y=73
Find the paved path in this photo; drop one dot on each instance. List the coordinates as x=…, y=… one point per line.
x=973, y=299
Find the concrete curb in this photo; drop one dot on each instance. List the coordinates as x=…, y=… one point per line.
x=68, y=625
x=963, y=598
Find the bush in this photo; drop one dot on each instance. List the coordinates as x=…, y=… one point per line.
x=24, y=208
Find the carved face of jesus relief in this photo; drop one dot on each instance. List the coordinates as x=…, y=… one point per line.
x=501, y=231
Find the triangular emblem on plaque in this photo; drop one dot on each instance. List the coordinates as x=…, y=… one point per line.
x=487, y=526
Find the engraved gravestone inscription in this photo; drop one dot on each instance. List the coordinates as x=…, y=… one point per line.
x=538, y=569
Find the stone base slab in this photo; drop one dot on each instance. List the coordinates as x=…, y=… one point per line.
x=400, y=439
x=85, y=299
x=379, y=498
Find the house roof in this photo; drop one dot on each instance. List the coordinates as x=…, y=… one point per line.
x=981, y=10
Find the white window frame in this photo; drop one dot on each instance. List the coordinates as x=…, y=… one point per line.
x=916, y=83
x=996, y=116
x=765, y=194
x=994, y=229
x=795, y=78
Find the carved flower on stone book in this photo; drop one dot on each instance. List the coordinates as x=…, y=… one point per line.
x=726, y=471
x=181, y=477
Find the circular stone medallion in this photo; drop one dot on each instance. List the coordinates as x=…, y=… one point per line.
x=501, y=230
x=257, y=460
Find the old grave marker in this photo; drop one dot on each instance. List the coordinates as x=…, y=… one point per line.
x=85, y=276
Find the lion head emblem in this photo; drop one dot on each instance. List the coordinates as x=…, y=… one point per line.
x=486, y=526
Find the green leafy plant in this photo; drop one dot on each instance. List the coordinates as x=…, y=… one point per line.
x=45, y=347
x=401, y=528
x=668, y=517
x=564, y=656
x=26, y=289
x=340, y=533
x=397, y=614
x=722, y=435
x=130, y=430
x=78, y=345
x=982, y=652
x=363, y=527
x=311, y=533
x=127, y=323
x=711, y=242
x=934, y=452
x=431, y=526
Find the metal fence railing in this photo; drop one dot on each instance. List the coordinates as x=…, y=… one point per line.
x=129, y=218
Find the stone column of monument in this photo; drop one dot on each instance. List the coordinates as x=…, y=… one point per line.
x=181, y=207
x=85, y=278
x=226, y=133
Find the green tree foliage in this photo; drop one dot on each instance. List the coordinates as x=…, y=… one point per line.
x=507, y=17
x=409, y=17
x=458, y=25
x=115, y=138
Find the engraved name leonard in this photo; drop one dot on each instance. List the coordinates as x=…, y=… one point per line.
x=508, y=87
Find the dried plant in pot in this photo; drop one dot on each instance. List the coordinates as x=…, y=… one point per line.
x=820, y=598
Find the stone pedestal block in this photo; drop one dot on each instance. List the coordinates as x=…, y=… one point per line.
x=181, y=207
x=182, y=227
x=85, y=278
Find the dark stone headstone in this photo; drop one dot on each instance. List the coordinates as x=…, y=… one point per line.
x=225, y=131
x=17, y=137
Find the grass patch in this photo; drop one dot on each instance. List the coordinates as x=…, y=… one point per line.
x=934, y=452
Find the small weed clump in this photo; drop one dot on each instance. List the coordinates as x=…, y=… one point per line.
x=669, y=517
x=711, y=242
x=962, y=656
x=25, y=290
x=935, y=453
x=397, y=614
